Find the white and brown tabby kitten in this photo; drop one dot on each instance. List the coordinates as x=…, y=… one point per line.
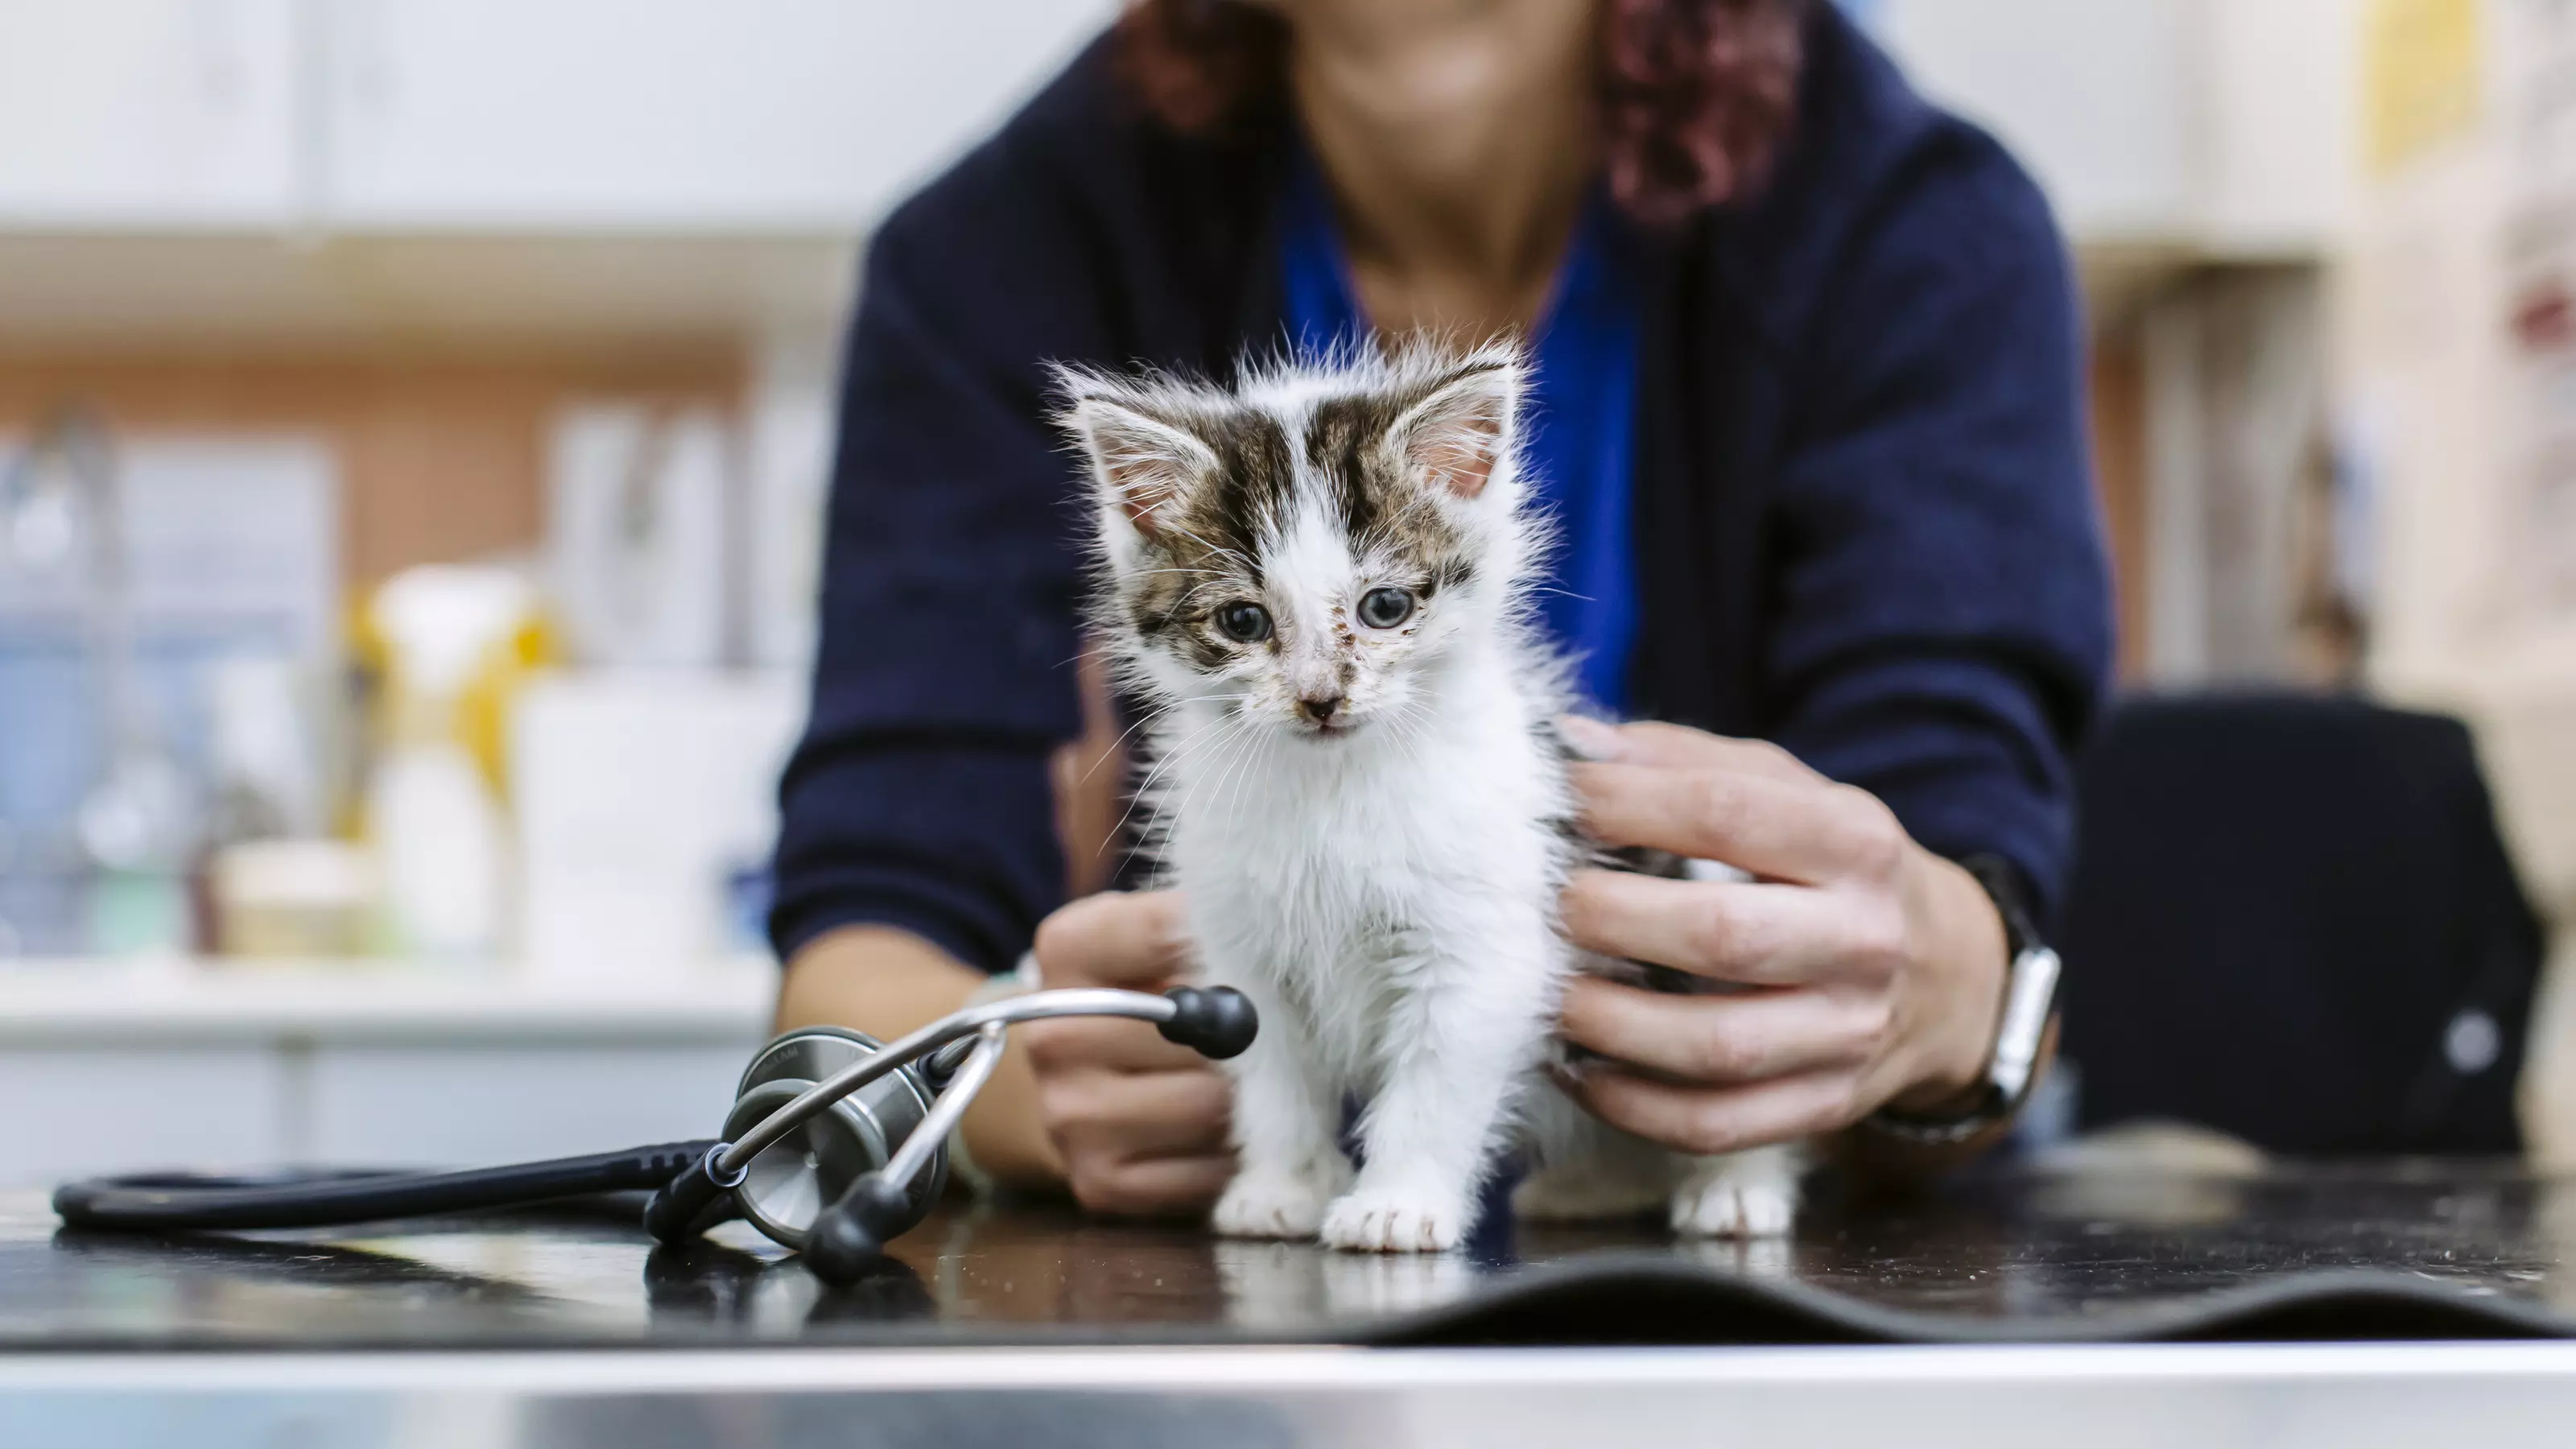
x=1319, y=581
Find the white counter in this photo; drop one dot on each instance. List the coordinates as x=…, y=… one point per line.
x=52, y=1003
x=124, y=1066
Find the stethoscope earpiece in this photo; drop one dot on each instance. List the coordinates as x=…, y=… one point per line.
x=1217, y=1023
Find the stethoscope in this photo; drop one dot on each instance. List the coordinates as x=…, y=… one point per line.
x=836, y=1144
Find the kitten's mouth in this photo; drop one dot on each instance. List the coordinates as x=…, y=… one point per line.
x=1331, y=729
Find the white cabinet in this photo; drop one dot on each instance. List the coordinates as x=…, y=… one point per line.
x=159, y=113
x=481, y=1102
x=2282, y=122
x=89, y=1106
x=447, y=116
x=2084, y=93
x=260, y=1102
x=130, y=1066
x=764, y=115
x=2215, y=126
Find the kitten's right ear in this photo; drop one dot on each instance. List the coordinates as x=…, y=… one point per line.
x=1140, y=463
x=1456, y=436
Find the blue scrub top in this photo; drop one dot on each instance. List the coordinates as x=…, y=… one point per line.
x=1578, y=420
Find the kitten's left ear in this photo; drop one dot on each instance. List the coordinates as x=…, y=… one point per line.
x=1454, y=438
x=1141, y=464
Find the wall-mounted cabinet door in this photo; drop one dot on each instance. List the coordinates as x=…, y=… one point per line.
x=687, y=115
x=2227, y=126
x=147, y=114
x=2089, y=94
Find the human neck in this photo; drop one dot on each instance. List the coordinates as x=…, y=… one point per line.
x=1457, y=136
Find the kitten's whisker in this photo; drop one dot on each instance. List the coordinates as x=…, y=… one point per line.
x=1250, y=749
x=1169, y=758
x=1149, y=717
x=1235, y=770
x=1414, y=712
x=1164, y=819
x=1176, y=752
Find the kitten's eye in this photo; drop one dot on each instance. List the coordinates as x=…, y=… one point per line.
x=1386, y=608
x=1244, y=623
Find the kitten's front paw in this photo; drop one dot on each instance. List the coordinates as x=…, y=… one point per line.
x=1730, y=1199
x=1376, y=1220
x=1271, y=1204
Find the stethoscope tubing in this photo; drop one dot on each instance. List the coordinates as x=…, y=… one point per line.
x=955, y=1096
x=182, y=1202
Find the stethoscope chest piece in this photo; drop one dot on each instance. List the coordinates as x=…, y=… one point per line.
x=786, y=1187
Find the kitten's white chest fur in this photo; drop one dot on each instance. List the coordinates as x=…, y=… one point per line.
x=1345, y=872
x=1319, y=582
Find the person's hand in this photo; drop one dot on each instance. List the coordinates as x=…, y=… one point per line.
x=1140, y=1122
x=1873, y=969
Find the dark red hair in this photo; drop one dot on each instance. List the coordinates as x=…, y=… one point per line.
x=1695, y=95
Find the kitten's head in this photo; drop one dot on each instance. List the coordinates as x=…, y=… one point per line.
x=1307, y=549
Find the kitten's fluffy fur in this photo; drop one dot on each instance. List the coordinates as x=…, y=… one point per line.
x=1369, y=814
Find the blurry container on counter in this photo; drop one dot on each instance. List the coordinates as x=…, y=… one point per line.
x=275, y=885
x=267, y=760
x=456, y=641
x=295, y=899
x=642, y=534
x=791, y=420
x=133, y=571
x=646, y=815
x=643, y=782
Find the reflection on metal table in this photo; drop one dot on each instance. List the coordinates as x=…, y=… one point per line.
x=2005, y=1309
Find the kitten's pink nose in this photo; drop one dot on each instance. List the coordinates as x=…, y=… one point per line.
x=1319, y=708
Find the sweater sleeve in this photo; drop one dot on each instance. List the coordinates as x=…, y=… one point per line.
x=1941, y=625
x=919, y=796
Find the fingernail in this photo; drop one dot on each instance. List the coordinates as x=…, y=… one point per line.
x=1591, y=738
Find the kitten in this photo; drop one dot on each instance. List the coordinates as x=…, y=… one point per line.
x=1320, y=583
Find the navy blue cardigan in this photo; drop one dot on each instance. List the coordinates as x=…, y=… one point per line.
x=1864, y=521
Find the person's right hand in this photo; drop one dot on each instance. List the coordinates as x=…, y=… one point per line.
x=1139, y=1121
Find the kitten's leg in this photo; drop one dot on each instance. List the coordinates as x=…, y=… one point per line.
x=1583, y=1168
x=1457, y=1042
x=1749, y=1194
x=1286, y=1120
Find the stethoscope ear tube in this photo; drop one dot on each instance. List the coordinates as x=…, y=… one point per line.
x=849, y=1241
x=681, y=1203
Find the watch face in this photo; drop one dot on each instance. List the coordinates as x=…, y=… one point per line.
x=2030, y=994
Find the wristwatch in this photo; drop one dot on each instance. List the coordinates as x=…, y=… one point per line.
x=2030, y=1000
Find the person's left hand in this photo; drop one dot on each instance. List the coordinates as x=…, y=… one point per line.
x=1874, y=969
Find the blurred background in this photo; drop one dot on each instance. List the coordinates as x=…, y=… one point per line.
x=415, y=415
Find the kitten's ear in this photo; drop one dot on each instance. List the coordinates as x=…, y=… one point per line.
x=1140, y=463
x=1453, y=439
